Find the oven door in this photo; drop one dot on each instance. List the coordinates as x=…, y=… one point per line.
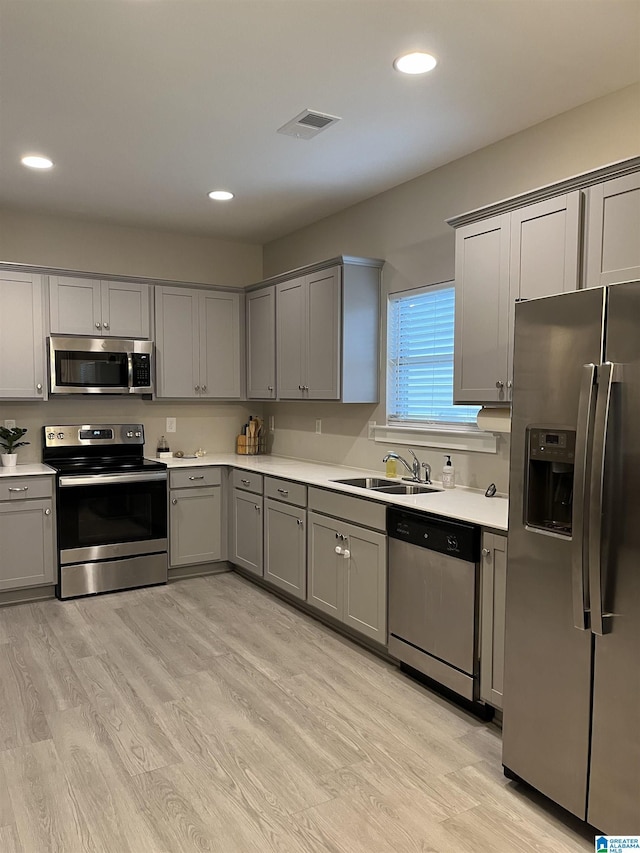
x=107, y=516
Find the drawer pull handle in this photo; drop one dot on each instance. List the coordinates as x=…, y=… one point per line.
x=284, y=492
x=22, y=489
x=246, y=482
x=201, y=477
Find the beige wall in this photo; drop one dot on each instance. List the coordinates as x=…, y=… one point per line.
x=83, y=245
x=406, y=226
x=210, y=426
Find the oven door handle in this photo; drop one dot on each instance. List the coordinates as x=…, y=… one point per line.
x=109, y=479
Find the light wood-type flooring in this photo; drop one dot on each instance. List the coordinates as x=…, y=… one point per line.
x=209, y=716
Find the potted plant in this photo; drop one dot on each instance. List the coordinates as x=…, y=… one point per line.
x=10, y=441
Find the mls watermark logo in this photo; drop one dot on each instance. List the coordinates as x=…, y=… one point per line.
x=616, y=843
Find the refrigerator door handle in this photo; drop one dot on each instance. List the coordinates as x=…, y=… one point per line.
x=579, y=594
x=608, y=374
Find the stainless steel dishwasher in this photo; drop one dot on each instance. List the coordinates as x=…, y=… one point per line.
x=433, y=598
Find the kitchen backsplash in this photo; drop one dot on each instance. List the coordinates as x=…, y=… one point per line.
x=212, y=427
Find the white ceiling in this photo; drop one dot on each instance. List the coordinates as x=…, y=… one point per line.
x=146, y=105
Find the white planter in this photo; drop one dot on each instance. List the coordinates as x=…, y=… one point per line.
x=9, y=460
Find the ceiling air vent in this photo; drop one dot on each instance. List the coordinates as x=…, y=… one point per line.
x=307, y=124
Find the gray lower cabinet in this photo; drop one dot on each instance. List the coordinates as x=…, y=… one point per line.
x=285, y=547
x=246, y=531
x=195, y=516
x=347, y=577
x=22, y=366
x=493, y=602
x=85, y=306
x=27, y=533
x=613, y=229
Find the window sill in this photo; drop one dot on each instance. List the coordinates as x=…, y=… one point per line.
x=446, y=438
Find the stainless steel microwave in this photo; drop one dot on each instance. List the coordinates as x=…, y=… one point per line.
x=100, y=366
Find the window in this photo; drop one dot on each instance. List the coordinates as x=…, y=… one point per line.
x=420, y=331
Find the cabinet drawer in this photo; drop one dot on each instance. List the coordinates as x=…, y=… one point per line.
x=191, y=477
x=247, y=480
x=367, y=513
x=21, y=488
x=285, y=490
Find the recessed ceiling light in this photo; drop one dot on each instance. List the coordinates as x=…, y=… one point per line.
x=415, y=63
x=37, y=162
x=220, y=195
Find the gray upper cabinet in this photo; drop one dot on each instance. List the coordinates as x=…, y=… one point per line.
x=22, y=367
x=261, y=344
x=613, y=231
x=327, y=334
x=198, y=343
x=292, y=338
x=83, y=306
x=531, y=252
x=482, y=311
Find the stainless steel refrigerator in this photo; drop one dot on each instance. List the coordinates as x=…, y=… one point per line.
x=572, y=644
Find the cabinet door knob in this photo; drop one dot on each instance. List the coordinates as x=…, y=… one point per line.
x=98, y=325
x=510, y=384
x=269, y=387
x=106, y=325
x=39, y=388
x=174, y=501
x=346, y=553
x=339, y=550
x=301, y=387
x=299, y=521
x=197, y=388
x=204, y=387
x=499, y=384
x=47, y=512
x=257, y=508
x=485, y=552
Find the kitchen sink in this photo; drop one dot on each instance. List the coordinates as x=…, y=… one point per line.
x=366, y=482
x=388, y=487
x=406, y=489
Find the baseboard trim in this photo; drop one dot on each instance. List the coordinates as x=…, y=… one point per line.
x=183, y=572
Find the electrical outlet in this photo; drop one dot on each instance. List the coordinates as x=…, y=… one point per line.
x=171, y=424
x=10, y=424
x=318, y=426
x=372, y=430
x=272, y=423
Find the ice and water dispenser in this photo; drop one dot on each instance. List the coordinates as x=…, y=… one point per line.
x=549, y=479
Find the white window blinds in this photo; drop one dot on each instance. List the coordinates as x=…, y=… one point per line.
x=420, y=331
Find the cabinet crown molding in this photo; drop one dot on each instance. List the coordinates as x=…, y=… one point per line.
x=577, y=182
x=340, y=260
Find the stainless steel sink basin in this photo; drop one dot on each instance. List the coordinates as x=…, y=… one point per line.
x=406, y=489
x=388, y=487
x=366, y=482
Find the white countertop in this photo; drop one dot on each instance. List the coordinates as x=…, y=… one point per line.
x=461, y=503
x=33, y=470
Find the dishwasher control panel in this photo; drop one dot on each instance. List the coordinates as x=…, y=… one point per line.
x=446, y=536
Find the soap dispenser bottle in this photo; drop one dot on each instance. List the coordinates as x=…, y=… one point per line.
x=448, y=474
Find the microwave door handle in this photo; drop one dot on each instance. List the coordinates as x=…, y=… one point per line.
x=130, y=370
x=579, y=594
x=608, y=374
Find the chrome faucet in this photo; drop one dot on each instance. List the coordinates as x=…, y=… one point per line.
x=413, y=469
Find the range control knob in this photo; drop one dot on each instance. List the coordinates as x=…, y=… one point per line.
x=51, y=435
x=129, y=434
x=138, y=434
x=452, y=543
x=60, y=435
